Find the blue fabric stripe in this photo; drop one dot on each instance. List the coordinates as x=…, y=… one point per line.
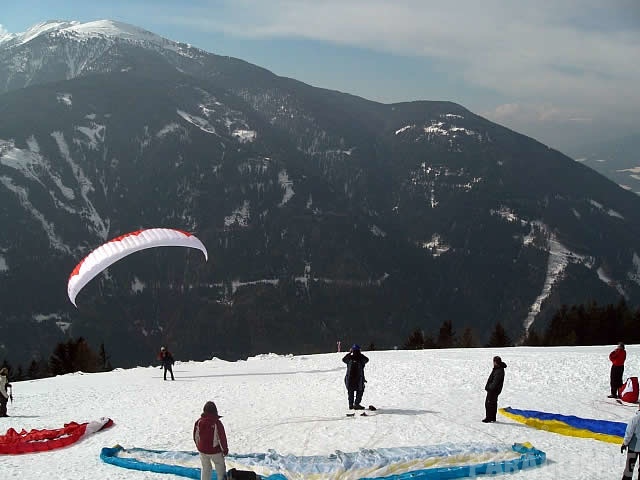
x=598, y=426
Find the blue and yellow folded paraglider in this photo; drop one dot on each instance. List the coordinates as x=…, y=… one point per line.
x=402, y=463
x=603, y=430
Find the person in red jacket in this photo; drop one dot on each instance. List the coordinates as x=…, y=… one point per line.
x=617, y=357
x=211, y=442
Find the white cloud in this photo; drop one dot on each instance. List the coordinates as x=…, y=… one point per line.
x=531, y=112
x=519, y=49
x=564, y=61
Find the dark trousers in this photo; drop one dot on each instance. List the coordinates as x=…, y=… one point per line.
x=358, y=397
x=616, y=379
x=491, y=406
x=168, y=368
x=629, y=465
x=3, y=406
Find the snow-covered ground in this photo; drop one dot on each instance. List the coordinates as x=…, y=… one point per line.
x=297, y=405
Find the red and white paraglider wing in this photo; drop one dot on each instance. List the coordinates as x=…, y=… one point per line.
x=113, y=250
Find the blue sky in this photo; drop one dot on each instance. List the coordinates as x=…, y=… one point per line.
x=562, y=71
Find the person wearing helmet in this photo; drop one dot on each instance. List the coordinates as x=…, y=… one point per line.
x=354, y=378
x=167, y=361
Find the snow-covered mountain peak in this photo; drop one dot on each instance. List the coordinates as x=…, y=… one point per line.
x=110, y=28
x=5, y=36
x=37, y=30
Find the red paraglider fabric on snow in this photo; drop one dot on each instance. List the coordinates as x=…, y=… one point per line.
x=15, y=443
x=629, y=391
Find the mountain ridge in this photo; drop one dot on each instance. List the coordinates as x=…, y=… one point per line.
x=325, y=214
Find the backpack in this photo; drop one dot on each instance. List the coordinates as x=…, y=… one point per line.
x=234, y=474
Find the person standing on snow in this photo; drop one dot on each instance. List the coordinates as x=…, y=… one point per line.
x=494, y=388
x=354, y=378
x=167, y=362
x=617, y=357
x=4, y=391
x=631, y=443
x=211, y=442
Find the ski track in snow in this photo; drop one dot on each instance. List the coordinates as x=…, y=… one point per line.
x=297, y=404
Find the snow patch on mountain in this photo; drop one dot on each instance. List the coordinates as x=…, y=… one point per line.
x=32, y=166
x=24, y=161
x=104, y=29
x=254, y=166
x=632, y=170
x=244, y=136
x=45, y=317
x=287, y=186
x=559, y=258
x=94, y=133
x=110, y=28
x=602, y=275
x=199, y=122
x=90, y=213
x=41, y=28
x=54, y=240
x=240, y=216
x=168, y=129
x=4, y=35
x=436, y=246
x=445, y=129
x=59, y=320
x=377, y=231
x=508, y=214
x=65, y=98
x=634, y=274
x=608, y=211
x=236, y=284
x=137, y=285
x=404, y=129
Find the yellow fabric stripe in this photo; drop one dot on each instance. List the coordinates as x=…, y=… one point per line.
x=556, y=426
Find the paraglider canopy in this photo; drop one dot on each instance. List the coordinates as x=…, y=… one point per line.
x=119, y=247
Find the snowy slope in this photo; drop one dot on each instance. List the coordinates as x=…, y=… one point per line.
x=297, y=404
x=99, y=28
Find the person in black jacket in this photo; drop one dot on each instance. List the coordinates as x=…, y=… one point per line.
x=494, y=388
x=167, y=362
x=354, y=378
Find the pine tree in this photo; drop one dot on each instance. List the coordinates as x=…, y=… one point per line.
x=446, y=335
x=499, y=337
x=468, y=339
x=105, y=364
x=33, y=371
x=73, y=356
x=415, y=340
x=7, y=365
x=532, y=338
x=429, y=342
